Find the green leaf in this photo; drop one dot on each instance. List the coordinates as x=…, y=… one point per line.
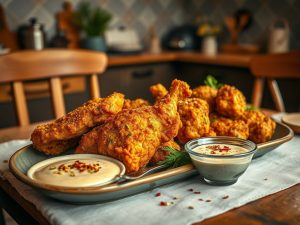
x=212, y=82
x=175, y=158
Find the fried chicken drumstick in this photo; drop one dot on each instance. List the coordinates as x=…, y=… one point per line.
x=133, y=135
x=56, y=137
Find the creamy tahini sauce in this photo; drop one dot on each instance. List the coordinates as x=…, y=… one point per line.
x=104, y=171
x=220, y=149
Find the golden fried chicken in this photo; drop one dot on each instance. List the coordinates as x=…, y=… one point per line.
x=158, y=91
x=194, y=117
x=89, y=142
x=227, y=127
x=210, y=133
x=230, y=102
x=133, y=135
x=261, y=127
x=71, y=126
x=132, y=104
x=206, y=93
x=160, y=154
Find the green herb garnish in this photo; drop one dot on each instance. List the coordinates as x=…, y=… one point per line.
x=212, y=82
x=250, y=107
x=175, y=158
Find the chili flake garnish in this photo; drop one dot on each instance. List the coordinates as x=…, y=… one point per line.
x=225, y=197
x=77, y=165
x=157, y=194
x=163, y=203
x=215, y=148
x=197, y=192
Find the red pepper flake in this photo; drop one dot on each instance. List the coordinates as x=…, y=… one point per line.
x=191, y=189
x=5, y=161
x=200, y=199
x=197, y=192
x=163, y=204
x=208, y=200
x=157, y=194
x=218, y=148
x=225, y=197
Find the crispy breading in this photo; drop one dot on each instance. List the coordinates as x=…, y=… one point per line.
x=89, y=142
x=161, y=154
x=228, y=127
x=75, y=123
x=158, y=91
x=194, y=117
x=133, y=136
x=230, y=102
x=136, y=103
x=261, y=127
x=206, y=93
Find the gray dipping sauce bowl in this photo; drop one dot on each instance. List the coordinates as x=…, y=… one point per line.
x=221, y=169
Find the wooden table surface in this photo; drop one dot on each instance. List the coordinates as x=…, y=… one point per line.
x=280, y=208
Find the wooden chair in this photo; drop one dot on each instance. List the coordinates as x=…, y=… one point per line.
x=271, y=67
x=51, y=65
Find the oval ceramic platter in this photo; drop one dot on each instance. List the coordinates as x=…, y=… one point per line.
x=26, y=157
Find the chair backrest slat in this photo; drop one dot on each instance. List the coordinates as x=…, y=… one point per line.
x=57, y=97
x=20, y=103
x=95, y=89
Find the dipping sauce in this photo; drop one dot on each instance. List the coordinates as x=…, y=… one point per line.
x=220, y=163
x=77, y=172
x=220, y=149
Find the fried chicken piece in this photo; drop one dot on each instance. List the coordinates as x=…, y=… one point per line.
x=132, y=104
x=133, y=136
x=230, y=102
x=227, y=127
x=158, y=91
x=77, y=122
x=160, y=154
x=89, y=142
x=206, y=93
x=261, y=127
x=194, y=117
x=210, y=133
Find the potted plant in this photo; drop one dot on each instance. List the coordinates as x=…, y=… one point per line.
x=93, y=21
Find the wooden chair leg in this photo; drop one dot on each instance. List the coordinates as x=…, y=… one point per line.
x=2, y=221
x=20, y=103
x=257, y=92
x=276, y=95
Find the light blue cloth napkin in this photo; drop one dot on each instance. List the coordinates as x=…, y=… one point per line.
x=271, y=173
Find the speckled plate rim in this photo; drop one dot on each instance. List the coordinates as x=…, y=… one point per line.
x=130, y=184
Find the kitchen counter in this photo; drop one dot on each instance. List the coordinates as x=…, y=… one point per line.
x=223, y=59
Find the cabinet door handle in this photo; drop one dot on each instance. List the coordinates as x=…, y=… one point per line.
x=142, y=74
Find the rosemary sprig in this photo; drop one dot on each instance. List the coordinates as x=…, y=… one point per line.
x=212, y=82
x=175, y=158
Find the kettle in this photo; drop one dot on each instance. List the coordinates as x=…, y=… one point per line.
x=279, y=36
x=34, y=35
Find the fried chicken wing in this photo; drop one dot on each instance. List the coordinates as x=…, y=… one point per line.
x=71, y=126
x=230, y=102
x=194, y=117
x=261, y=127
x=158, y=91
x=206, y=93
x=228, y=127
x=136, y=103
x=133, y=136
